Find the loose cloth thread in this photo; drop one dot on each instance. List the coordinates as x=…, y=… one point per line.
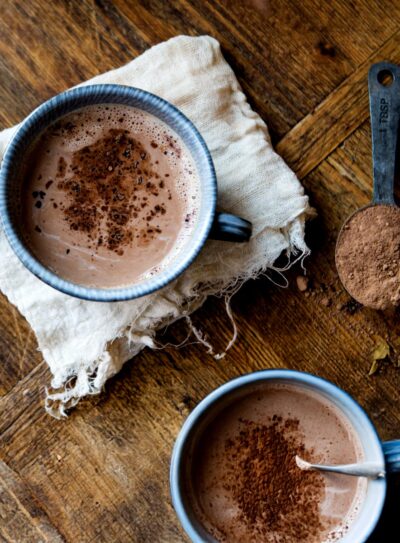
x=85, y=343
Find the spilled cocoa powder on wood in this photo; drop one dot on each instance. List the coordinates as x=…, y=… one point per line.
x=368, y=256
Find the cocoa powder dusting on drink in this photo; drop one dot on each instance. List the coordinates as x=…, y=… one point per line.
x=275, y=499
x=108, y=184
x=368, y=256
x=113, y=184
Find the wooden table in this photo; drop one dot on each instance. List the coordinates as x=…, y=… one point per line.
x=102, y=474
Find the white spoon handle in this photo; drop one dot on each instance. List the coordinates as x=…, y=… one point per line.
x=365, y=469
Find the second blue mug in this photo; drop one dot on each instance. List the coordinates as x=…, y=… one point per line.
x=386, y=454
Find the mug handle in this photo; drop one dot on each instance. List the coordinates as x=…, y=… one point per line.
x=391, y=450
x=227, y=227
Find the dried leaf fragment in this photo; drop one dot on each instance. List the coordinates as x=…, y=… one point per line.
x=379, y=354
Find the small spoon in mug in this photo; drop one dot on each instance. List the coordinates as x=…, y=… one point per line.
x=364, y=469
x=370, y=290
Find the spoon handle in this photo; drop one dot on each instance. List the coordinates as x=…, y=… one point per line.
x=384, y=101
x=374, y=471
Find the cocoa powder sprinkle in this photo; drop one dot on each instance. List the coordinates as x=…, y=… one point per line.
x=100, y=183
x=254, y=476
x=272, y=493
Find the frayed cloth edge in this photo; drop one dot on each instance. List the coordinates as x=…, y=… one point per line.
x=87, y=381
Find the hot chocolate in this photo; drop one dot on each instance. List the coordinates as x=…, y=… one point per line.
x=245, y=484
x=110, y=197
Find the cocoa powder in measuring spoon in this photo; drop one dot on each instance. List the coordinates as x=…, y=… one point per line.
x=368, y=256
x=368, y=247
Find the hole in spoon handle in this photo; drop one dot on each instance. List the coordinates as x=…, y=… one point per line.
x=384, y=101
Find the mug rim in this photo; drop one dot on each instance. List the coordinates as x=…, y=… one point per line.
x=77, y=98
x=320, y=385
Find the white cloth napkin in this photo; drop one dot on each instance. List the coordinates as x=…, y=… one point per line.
x=85, y=343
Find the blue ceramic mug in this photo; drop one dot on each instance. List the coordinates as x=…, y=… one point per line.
x=386, y=455
x=210, y=224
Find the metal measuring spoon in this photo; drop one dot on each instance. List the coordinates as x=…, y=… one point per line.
x=384, y=96
x=363, y=469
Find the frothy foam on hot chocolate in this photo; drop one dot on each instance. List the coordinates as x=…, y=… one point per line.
x=111, y=196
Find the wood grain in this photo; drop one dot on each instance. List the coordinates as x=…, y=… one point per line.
x=102, y=474
x=20, y=513
x=335, y=118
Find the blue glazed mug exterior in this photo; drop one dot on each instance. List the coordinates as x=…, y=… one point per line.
x=386, y=454
x=209, y=224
